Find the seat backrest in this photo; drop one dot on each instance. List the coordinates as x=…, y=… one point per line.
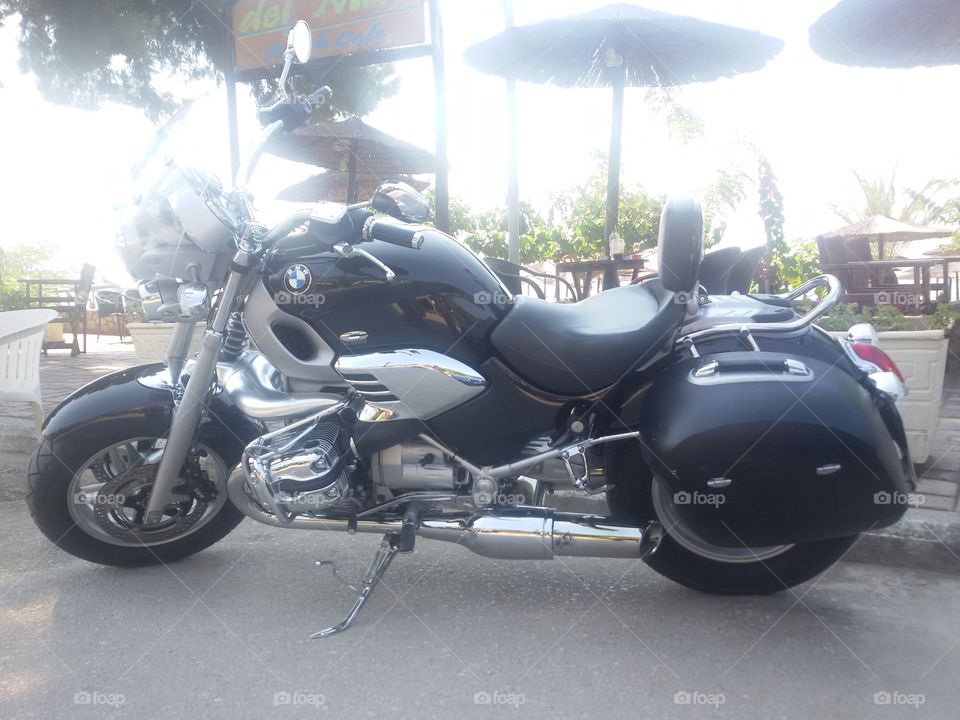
x=741, y=275
x=715, y=269
x=680, y=246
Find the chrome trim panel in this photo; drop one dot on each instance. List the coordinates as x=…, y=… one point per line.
x=411, y=383
x=711, y=373
x=260, y=312
x=254, y=386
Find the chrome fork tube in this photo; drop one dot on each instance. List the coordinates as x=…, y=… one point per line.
x=177, y=349
x=186, y=415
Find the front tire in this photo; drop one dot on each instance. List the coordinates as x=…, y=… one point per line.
x=56, y=472
x=637, y=496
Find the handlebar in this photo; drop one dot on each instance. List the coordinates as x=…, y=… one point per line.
x=378, y=228
x=294, y=111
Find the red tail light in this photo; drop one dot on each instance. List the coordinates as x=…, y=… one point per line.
x=873, y=354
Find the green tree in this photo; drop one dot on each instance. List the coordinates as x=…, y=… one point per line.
x=724, y=194
x=771, y=211
x=87, y=52
x=485, y=232
x=19, y=262
x=582, y=213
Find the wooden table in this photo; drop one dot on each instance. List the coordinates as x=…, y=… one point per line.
x=583, y=271
x=921, y=273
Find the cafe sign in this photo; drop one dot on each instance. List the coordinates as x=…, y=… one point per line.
x=339, y=27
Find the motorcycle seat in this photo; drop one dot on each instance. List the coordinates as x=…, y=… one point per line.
x=576, y=349
x=581, y=348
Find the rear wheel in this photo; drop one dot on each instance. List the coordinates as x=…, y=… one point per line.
x=688, y=559
x=88, y=493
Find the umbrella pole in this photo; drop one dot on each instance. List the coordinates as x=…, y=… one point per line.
x=613, y=163
x=352, y=176
x=513, y=180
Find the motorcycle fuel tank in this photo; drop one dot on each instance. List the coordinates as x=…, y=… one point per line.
x=443, y=298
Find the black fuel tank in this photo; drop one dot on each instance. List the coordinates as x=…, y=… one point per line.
x=443, y=298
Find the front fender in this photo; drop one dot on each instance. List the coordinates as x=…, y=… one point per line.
x=103, y=407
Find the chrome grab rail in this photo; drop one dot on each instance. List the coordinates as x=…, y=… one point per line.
x=832, y=298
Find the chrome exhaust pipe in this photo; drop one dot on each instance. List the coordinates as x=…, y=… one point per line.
x=523, y=533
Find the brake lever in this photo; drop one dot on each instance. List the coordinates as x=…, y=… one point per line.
x=346, y=250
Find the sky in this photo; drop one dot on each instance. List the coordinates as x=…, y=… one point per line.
x=63, y=169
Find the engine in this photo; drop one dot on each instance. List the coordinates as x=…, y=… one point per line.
x=414, y=466
x=302, y=468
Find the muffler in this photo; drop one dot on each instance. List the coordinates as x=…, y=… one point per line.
x=522, y=533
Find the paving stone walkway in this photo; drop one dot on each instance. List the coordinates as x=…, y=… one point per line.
x=939, y=477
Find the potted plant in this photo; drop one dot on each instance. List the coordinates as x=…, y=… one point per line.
x=918, y=345
x=150, y=339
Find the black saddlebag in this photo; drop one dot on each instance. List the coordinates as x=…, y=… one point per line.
x=762, y=448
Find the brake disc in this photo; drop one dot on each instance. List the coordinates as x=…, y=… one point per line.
x=121, y=501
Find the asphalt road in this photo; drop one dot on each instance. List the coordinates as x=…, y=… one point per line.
x=450, y=634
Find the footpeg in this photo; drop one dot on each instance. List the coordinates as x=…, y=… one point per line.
x=389, y=547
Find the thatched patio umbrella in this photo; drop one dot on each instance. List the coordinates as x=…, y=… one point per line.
x=884, y=230
x=617, y=46
x=353, y=147
x=889, y=33
x=334, y=186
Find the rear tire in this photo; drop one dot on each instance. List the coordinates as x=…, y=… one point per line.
x=631, y=500
x=50, y=479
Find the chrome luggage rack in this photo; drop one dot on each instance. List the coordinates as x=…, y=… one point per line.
x=775, y=328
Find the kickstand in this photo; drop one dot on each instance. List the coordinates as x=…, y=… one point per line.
x=378, y=566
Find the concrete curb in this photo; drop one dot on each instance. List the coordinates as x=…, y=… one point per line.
x=923, y=539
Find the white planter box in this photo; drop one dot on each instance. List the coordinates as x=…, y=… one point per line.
x=921, y=356
x=150, y=339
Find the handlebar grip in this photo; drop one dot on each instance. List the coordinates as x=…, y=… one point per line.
x=410, y=236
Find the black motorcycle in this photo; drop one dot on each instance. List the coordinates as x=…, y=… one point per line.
x=361, y=372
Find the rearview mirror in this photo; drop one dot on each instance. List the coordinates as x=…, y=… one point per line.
x=399, y=200
x=300, y=42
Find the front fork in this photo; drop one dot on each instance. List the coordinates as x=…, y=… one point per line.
x=189, y=411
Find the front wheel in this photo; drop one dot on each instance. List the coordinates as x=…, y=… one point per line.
x=88, y=492
x=687, y=559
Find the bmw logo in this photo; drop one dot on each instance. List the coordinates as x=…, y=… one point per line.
x=297, y=279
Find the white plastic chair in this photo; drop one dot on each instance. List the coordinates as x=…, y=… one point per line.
x=21, y=339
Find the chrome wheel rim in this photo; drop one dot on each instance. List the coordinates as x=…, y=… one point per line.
x=107, y=495
x=681, y=532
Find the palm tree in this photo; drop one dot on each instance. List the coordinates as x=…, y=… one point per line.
x=881, y=197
